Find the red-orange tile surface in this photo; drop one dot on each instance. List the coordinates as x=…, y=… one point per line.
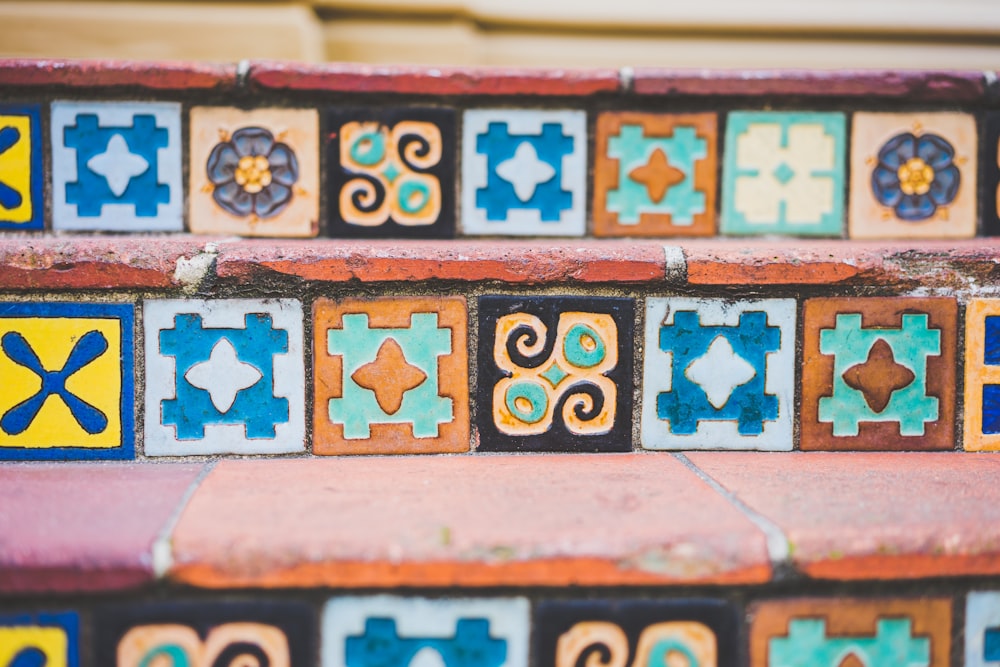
x=929, y=628
x=873, y=516
x=546, y=520
x=154, y=75
x=878, y=373
x=84, y=527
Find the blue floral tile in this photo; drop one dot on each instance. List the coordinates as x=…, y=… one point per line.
x=21, y=171
x=116, y=166
x=43, y=639
x=982, y=629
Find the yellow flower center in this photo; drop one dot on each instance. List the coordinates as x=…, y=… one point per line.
x=915, y=177
x=253, y=173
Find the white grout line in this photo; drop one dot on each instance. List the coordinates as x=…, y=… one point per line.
x=676, y=270
x=626, y=77
x=163, y=557
x=242, y=73
x=777, y=542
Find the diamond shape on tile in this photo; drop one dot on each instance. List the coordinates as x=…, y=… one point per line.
x=555, y=373
x=392, y=376
x=224, y=377
x=654, y=174
x=68, y=381
x=913, y=175
x=40, y=639
x=116, y=166
x=990, y=177
x=784, y=173
x=636, y=632
x=982, y=375
x=391, y=172
x=21, y=170
x=878, y=373
x=206, y=634
x=845, y=632
x=982, y=629
x=445, y=632
x=718, y=374
x=524, y=172
x=254, y=173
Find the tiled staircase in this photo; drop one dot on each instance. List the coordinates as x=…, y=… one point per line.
x=797, y=265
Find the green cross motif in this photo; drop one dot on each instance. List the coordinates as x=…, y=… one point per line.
x=808, y=646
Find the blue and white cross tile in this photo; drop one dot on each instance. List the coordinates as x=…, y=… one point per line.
x=718, y=374
x=224, y=377
x=524, y=172
x=116, y=166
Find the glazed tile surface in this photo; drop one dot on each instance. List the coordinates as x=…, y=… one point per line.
x=391, y=172
x=913, y=175
x=391, y=376
x=636, y=632
x=40, y=639
x=206, y=634
x=654, y=174
x=879, y=373
x=446, y=632
x=555, y=373
x=68, y=381
x=116, y=166
x=718, y=374
x=982, y=629
x=982, y=375
x=254, y=173
x=224, y=376
x=784, y=173
x=524, y=172
x=21, y=170
x=845, y=632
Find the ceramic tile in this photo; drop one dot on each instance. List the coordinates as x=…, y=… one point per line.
x=446, y=632
x=784, y=173
x=116, y=166
x=718, y=374
x=254, y=173
x=982, y=629
x=68, y=381
x=654, y=174
x=555, y=373
x=878, y=373
x=850, y=632
x=391, y=376
x=391, y=172
x=40, y=639
x=990, y=177
x=224, y=377
x=636, y=632
x=206, y=634
x=524, y=172
x=913, y=175
x=21, y=170
x=982, y=375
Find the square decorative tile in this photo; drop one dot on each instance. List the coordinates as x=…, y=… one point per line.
x=21, y=170
x=878, y=373
x=49, y=640
x=224, y=377
x=206, y=634
x=68, y=371
x=654, y=174
x=990, y=178
x=116, y=166
x=784, y=173
x=982, y=629
x=982, y=375
x=555, y=373
x=846, y=632
x=254, y=173
x=524, y=172
x=386, y=630
x=913, y=175
x=718, y=374
x=392, y=376
x=636, y=632
x=391, y=172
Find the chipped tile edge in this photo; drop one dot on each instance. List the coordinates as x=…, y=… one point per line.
x=161, y=552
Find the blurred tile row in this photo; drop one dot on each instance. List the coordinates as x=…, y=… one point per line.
x=392, y=375
x=398, y=172
x=383, y=630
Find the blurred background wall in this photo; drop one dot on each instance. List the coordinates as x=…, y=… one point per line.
x=671, y=33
